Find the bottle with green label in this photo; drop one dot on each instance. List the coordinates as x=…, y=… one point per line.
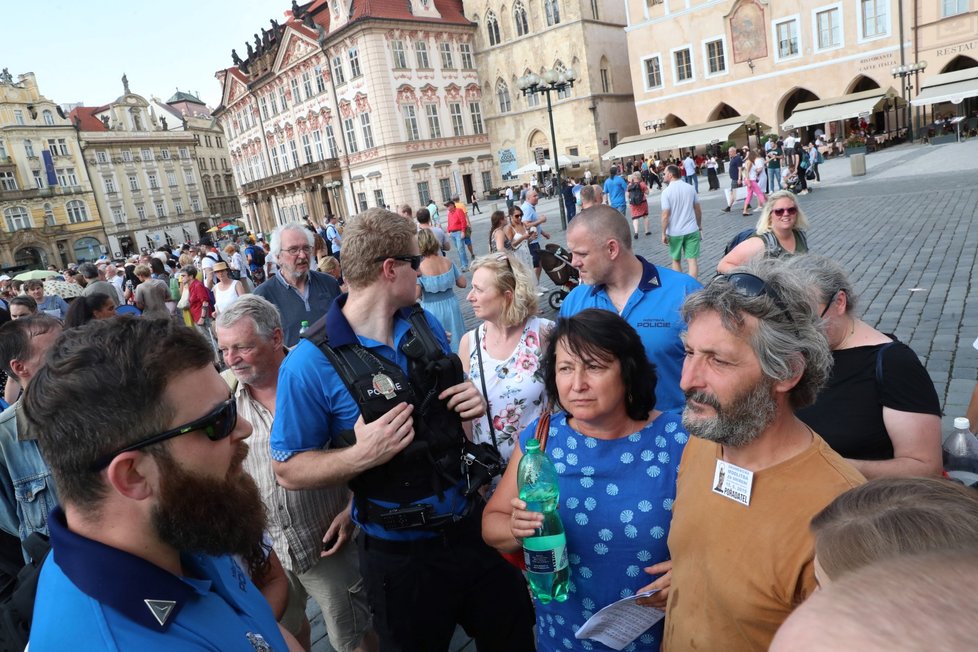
x=303, y=327
x=545, y=552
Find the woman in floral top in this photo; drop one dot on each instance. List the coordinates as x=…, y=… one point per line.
x=511, y=339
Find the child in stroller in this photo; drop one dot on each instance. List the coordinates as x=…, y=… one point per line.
x=792, y=180
x=556, y=262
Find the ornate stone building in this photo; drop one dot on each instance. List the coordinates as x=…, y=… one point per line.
x=695, y=63
x=144, y=175
x=350, y=104
x=523, y=36
x=50, y=216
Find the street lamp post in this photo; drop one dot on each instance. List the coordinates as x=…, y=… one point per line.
x=653, y=124
x=552, y=80
x=906, y=83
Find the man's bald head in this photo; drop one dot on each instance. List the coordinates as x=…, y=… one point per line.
x=602, y=223
x=919, y=602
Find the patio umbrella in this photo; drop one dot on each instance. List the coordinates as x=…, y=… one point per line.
x=63, y=289
x=230, y=227
x=35, y=274
x=213, y=229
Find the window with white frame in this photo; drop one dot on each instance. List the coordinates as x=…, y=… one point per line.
x=397, y=50
x=458, y=124
x=653, y=72
x=102, y=156
x=281, y=99
x=446, y=188
x=133, y=181
x=154, y=181
x=953, y=7
x=828, y=28
x=492, y=28
x=434, y=123
x=195, y=203
x=307, y=84
x=140, y=212
x=351, y=135
x=29, y=148
x=410, y=122
x=58, y=146
x=119, y=217
x=421, y=54
x=109, y=184
x=605, y=81
x=355, y=71
x=519, y=18
x=566, y=91
x=475, y=113
x=379, y=198
x=424, y=193
x=48, y=117
x=146, y=154
x=127, y=155
x=188, y=177
x=38, y=178
x=185, y=153
x=49, y=219
x=8, y=181
x=317, y=141
x=786, y=35
x=171, y=178
x=160, y=207
x=294, y=84
x=273, y=102
x=3, y=149
x=334, y=152
x=17, y=218
x=320, y=82
x=367, y=130
x=18, y=116
x=66, y=177
x=683, y=62
x=178, y=207
x=447, y=61
x=77, y=212
x=307, y=147
x=552, y=10
x=465, y=52
x=362, y=201
x=293, y=152
x=165, y=153
x=875, y=18
x=716, y=57
x=502, y=96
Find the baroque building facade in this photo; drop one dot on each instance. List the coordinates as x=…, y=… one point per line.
x=700, y=62
x=350, y=104
x=144, y=175
x=518, y=37
x=50, y=215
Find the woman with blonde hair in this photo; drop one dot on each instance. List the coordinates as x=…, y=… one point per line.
x=780, y=231
x=436, y=286
x=502, y=355
x=890, y=517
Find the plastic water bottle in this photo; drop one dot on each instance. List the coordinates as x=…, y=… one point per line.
x=961, y=454
x=303, y=327
x=545, y=552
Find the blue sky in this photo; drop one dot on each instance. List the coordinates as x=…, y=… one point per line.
x=79, y=49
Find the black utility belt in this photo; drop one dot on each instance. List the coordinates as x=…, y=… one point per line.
x=406, y=517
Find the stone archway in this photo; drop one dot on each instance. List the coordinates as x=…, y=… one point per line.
x=861, y=83
x=538, y=139
x=31, y=258
x=87, y=249
x=791, y=99
x=722, y=111
x=672, y=121
x=960, y=62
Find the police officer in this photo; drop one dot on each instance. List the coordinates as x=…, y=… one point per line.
x=399, y=446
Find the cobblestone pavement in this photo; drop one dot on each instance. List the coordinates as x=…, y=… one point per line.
x=907, y=232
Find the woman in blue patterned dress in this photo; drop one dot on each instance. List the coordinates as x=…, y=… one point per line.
x=616, y=458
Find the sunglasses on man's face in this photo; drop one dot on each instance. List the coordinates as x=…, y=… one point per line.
x=791, y=210
x=414, y=261
x=216, y=425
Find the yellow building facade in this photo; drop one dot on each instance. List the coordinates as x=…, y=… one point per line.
x=698, y=61
x=49, y=213
x=521, y=37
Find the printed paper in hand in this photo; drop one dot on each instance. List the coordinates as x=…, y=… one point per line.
x=621, y=622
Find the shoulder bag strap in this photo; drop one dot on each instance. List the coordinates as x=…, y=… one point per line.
x=543, y=427
x=879, y=365
x=485, y=392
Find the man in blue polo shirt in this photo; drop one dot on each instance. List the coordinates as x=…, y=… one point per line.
x=300, y=293
x=646, y=296
x=160, y=527
x=614, y=190
x=421, y=551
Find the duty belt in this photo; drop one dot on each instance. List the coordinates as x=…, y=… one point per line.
x=404, y=517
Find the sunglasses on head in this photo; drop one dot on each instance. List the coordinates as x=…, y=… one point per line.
x=791, y=210
x=414, y=261
x=216, y=425
x=752, y=286
x=828, y=305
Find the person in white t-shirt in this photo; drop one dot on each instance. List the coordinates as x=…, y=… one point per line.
x=682, y=220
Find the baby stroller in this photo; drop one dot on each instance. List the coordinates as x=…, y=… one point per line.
x=556, y=262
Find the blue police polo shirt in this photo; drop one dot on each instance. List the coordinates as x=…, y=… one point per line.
x=312, y=404
x=653, y=311
x=91, y=596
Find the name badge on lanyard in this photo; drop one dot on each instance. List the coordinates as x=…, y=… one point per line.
x=733, y=482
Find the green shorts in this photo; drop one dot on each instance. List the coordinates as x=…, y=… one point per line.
x=688, y=245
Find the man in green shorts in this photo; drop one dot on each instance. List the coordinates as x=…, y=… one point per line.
x=682, y=221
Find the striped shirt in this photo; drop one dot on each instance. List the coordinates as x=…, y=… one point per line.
x=297, y=520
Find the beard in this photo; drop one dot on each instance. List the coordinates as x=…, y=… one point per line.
x=736, y=424
x=200, y=514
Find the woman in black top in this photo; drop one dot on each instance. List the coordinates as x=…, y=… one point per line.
x=879, y=408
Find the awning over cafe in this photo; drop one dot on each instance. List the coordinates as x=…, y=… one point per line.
x=952, y=87
x=853, y=105
x=683, y=137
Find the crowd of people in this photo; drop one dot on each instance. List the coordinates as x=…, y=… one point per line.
x=313, y=419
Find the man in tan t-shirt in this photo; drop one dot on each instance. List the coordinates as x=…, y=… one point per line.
x=753, y=474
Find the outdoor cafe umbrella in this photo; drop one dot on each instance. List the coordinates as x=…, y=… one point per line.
x=63, y=289
x=230, y=227
x=35, y=274
x=213, y=229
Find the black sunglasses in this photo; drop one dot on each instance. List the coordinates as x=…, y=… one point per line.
x=831, y=301
x=217, y=425
x=415, y=261
x=749, y=285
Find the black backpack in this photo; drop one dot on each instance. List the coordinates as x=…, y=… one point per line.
x=635, y=195
x=17, y=596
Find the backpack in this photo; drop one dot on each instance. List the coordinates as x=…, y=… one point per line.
x=771, y=247
x=257, y=255
x=635, y=195
x=737, y=239
x=17, y=596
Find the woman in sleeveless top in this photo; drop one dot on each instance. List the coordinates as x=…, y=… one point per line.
x=497, y=233
x=226, y=290
x=519, y=237
x=510, y=341
x=781, y=218
x=436, y=286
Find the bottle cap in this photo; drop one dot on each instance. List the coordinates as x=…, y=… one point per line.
x=532, y=445
x=962, y=423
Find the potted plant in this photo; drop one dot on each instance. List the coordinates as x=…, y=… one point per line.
x=855, y=144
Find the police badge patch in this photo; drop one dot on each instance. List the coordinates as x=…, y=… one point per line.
x=258, y=642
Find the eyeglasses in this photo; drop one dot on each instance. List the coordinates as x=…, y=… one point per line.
x=831, y=301
x=751, y=286
x=791, y=210
x=294, y=251
x=217, y=425
x=414, y=261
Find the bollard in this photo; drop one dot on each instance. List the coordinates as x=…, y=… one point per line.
x=857, y=165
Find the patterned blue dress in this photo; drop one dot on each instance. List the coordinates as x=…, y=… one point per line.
x=616, y=505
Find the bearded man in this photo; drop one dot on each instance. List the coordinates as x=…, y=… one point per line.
x=159, y=528
x=753, y=475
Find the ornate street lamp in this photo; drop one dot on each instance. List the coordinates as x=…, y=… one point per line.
x=653, y=124
x=904, y=73
x=551, y=80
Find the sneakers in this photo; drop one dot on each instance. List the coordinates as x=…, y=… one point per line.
x=636, y=236
x=726, y=210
